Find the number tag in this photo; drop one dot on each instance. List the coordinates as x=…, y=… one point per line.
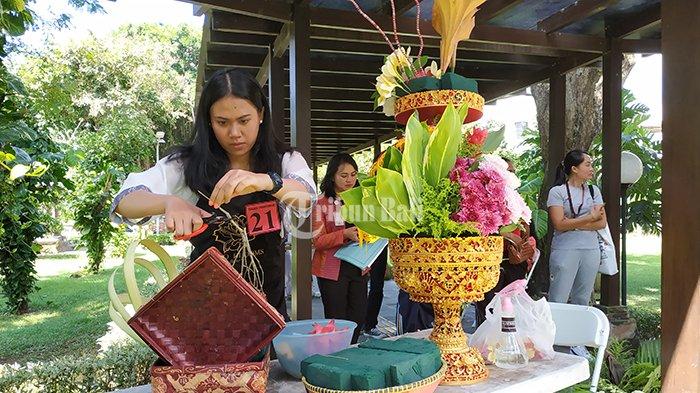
x=262, y=218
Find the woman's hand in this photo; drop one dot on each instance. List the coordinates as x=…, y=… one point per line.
x=237, y=182
x=351, y=234
x=181, y=217
x=596, y=213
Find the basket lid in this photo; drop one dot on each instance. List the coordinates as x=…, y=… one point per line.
x=207, y=315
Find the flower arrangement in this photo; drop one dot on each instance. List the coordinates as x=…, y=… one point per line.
x=399, y=68
x=445, y=183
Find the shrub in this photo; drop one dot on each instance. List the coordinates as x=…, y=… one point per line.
x=122, y=366
x=648, y=323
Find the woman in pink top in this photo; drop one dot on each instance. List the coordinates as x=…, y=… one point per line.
x=343, y=286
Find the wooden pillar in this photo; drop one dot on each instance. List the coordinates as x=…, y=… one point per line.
x=680, y=215
x=275, y=84
x=612, y=151
x=300, y=113
x=377, y=146
x=557, y=125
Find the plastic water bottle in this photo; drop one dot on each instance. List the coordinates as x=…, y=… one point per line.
x=510, y=349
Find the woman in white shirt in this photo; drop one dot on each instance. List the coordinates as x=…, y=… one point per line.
x=577, y=211
x=235, y=163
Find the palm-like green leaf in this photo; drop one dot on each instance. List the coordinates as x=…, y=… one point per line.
x=393, y=197
x=412, y=164
x=443, y=146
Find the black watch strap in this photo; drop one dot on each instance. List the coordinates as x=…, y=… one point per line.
x=277, y=182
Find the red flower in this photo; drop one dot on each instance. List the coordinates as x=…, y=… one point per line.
x=478, y=136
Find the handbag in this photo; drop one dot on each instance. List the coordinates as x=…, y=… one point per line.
x=608, y=256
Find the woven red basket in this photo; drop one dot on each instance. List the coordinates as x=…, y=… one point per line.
x=248, y=377
x=207, y=315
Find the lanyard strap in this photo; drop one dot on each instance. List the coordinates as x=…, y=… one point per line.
x=571, y=204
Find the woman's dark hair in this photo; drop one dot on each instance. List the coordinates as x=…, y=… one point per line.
x=205, y=161
x=571, y=159
x=328, y=182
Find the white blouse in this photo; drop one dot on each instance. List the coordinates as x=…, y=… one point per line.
x=167, y=177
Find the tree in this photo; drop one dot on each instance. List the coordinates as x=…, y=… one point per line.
x=32, y=169
x=108, y=98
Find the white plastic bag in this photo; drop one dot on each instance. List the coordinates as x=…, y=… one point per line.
x=533, y=322
x=608, y=256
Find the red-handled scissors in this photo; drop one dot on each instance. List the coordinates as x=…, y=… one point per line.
x=207, y=221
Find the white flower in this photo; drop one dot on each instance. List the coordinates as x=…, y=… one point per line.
x=389, y=106
x=435, y=70
x=392, y=75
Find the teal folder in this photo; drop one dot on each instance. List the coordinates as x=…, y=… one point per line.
x=361, y=256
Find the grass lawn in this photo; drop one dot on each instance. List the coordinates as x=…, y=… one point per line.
x=68, y=314
x=644, y=281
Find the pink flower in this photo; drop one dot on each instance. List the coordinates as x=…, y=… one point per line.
x=478, y=136
x=487, y=196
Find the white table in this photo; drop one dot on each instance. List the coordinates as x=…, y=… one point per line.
x=540, y=376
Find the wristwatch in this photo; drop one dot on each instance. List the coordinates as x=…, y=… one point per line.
x=277, y=182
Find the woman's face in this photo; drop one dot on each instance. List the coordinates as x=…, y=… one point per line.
x=584, y=170
x=345, y=178
x=235, y=122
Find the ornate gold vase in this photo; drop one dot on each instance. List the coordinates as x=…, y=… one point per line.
x=449, y=273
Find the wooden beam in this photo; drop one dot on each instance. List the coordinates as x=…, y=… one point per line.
x=634, y=22
x=612, y=152
x=202, y=62
x=381, y=138
x=237, y=23
x=493, y=8
x=275, y=84
x=680, y=268
x=640, y=46
x=278, y=48
x=492, y=92
x=265, y=9
x=556, y=145
x=220, y=38
x=371, y=43
x=300, y=96
x=578, y=11
x=401, y=7
x=350, y=20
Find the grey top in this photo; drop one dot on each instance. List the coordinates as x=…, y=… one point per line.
x=576, y=239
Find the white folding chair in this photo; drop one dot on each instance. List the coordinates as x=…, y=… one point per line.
x=582, y=325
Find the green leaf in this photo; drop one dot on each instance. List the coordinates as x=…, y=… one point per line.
x=443, y=146
x=412, y=163
x=22, y=156
x=508, y=228
x=493, y=141
x=353, y=212
x=540, y=218
x=393, y=197
x=376, y=212
x=392, y=159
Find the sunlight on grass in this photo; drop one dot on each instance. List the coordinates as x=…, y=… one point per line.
x=644, y=281
x=32, y=319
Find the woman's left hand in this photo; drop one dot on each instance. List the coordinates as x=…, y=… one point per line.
x=236, y=183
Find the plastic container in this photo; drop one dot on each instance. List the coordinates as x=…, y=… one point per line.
x=295, y=344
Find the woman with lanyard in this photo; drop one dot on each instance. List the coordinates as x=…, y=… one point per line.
x=577, y=212
x=234, y=170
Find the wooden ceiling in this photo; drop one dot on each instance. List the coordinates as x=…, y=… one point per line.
x=516, y=43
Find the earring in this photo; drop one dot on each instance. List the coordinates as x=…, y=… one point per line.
x=261, y=121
